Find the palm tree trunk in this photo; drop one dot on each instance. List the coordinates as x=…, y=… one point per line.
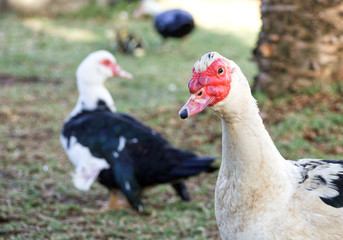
x=300, y=45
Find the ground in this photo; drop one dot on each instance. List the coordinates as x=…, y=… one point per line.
x=39, y=57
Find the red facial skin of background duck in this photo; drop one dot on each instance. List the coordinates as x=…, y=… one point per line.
x=214, y=84
x=116, y=69
x=108, y=63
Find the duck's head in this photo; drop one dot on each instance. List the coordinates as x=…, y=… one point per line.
x=215, y=81
x=99, y=66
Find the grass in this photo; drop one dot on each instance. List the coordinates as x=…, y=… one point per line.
x=37, y=198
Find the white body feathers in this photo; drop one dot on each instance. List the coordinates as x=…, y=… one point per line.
x=260, y=195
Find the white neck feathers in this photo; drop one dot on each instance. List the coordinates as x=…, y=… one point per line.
x=251, y=165
x=89, y=96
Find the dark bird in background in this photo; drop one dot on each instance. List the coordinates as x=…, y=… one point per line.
x=117, y=149
x=174, y=23
x=126, y=42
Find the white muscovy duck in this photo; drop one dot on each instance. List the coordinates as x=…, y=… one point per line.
x=115, y=148
x=259, y=194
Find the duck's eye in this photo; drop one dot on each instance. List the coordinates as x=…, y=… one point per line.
x=199, y=93
x=220, y=71
x=106, y=62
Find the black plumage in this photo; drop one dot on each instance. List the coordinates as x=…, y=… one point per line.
x=138, y=156
x=175, y=23
x=338, y=185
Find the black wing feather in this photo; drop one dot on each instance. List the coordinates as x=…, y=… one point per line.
x=154, y=159
x=338, y=183
x=324, y=178
x=124, y=176
x=143, y=158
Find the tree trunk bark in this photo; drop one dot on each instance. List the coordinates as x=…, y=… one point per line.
x=300, y=45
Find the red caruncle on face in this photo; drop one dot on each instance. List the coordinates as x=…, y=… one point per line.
x=215, y=81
